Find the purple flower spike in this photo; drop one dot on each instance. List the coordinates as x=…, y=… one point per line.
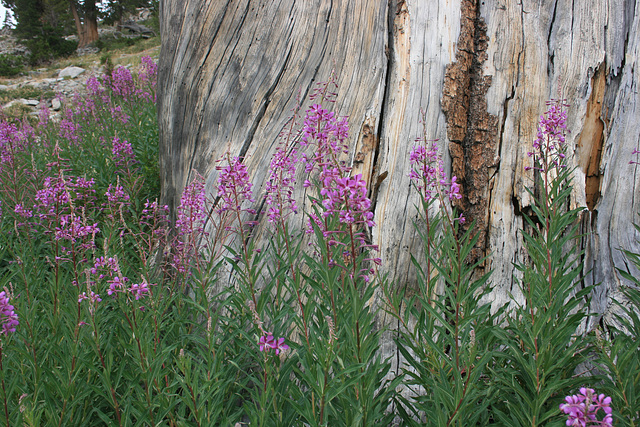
x=234, y=185
x=549, y=144
x=280, y=185
x=582, y=409
x=8, y=317
x=190, y=223
x=268, y=342
x=428, y=174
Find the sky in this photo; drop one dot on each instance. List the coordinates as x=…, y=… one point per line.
x=3, y=12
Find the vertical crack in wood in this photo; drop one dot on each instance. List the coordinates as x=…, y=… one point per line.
x=471, y=129
x=592, y=137
x=395, y=96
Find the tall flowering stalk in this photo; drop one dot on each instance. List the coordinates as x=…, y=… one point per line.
x=281, y=203
x=541, y=347
x=340, y=278
x=444, y=335
x=8, y=321
x=234, y=190
x=190, y=224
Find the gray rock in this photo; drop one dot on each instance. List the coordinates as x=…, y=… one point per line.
x=30, y=102
x=56, y=104
x=72, y=72
x=4, y=87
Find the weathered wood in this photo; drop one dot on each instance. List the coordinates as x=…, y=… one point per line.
x=481, y=71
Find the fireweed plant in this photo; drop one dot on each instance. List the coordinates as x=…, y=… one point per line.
x=109, y=315
x=540, y=348
x=445, y=333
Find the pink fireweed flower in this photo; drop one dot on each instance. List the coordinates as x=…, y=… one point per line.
x=347, y=197
x=69, y=130
x=191, y=211
x=21, y=211
x=140, y=290
x=268, y=342
x=147, y=76
x=190, y=223
x=427, y=173
x=95, y=298
x=280, y=185
x=73, y=227
x=62, y=203
x=118, y=115
x=12, y=141
x=117, y=284
x=328, y=134
x=148, y=70
x=234, y=185
x=43, y=115
x=122, y=153
x=549, y=146
x=94, y=87
x=122, y=82
x=582, y=409
x=8, y=317
x=116, y=194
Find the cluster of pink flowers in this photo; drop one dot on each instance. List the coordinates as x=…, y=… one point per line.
x=122, y=82
x=147, y=76
x=60, y=201
x=94, y=87
x=234, y=185
x=190, y=223
x=122, y=153
x=8, y=317
x=69, y=129
x=282, y=172
x=108, y=268
x=548, y=148
x=93, y=297
x=322, y=129
x=582, y=409
x=72, y=227
x=428, y=174
x=348, y=197
x=116, y=194
x=12, y=140
x=268, y=342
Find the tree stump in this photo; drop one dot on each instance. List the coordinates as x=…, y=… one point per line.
x=477, y=72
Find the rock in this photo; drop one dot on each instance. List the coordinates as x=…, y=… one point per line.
x=30, y=102
x=4, y=87
x=137, y=28
x=87, y=51
x=38, y=85
x=56, y=105
x=72, y=72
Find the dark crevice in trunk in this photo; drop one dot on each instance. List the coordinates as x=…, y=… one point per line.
x=471, y=129
x=373, y=188
x=592, y=137
x=551, y=54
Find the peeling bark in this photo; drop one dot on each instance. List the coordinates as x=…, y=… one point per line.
x=472, y=131
x=589, y=146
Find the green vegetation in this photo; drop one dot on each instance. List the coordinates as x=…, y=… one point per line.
x=110, y=315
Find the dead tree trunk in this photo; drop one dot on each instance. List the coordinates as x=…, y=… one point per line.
x=480, y=70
